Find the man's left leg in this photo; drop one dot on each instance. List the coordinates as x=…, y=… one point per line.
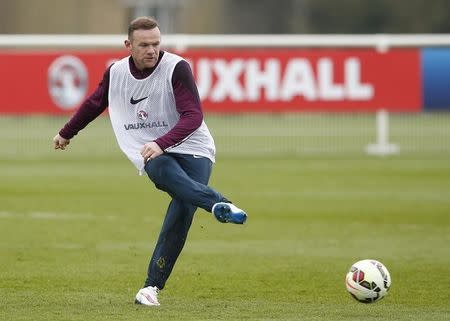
x=183, y=177
x=173, y=174
x=179, y=175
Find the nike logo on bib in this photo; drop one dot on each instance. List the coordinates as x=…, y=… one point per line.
x=135, y=101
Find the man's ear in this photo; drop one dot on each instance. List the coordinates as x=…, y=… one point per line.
x=127, y=44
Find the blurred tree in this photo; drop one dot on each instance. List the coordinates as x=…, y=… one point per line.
x=421, y=16
x=229, y=16
x=331, y=16
x=257, y=16
x=376, y=16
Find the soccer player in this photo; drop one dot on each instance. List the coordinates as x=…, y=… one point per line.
x=157, y=118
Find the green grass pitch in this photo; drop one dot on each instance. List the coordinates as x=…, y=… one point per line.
x=77, y=229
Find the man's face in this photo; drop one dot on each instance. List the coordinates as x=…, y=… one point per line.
x=144, y=46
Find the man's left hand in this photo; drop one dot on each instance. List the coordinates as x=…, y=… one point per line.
x=150, y=151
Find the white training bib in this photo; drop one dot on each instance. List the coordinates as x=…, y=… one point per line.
x=141, y=110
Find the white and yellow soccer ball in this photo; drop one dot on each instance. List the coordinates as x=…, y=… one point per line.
x=368, y=281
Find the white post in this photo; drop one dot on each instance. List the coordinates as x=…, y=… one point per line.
x=382, y=146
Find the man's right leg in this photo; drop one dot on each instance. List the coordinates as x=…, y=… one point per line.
x=167, y=175
x=171, y=241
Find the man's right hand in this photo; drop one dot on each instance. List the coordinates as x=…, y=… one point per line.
x=60, y=142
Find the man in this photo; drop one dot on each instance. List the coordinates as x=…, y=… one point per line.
x=157, y=118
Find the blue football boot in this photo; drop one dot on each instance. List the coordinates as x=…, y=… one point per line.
x=229, y=213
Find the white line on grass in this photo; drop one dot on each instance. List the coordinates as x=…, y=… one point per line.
x=53, y=216
x=353, y=195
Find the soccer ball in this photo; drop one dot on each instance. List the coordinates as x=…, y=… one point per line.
x=368, y=281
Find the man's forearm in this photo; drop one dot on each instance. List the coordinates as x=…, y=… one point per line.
x=91, y=108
